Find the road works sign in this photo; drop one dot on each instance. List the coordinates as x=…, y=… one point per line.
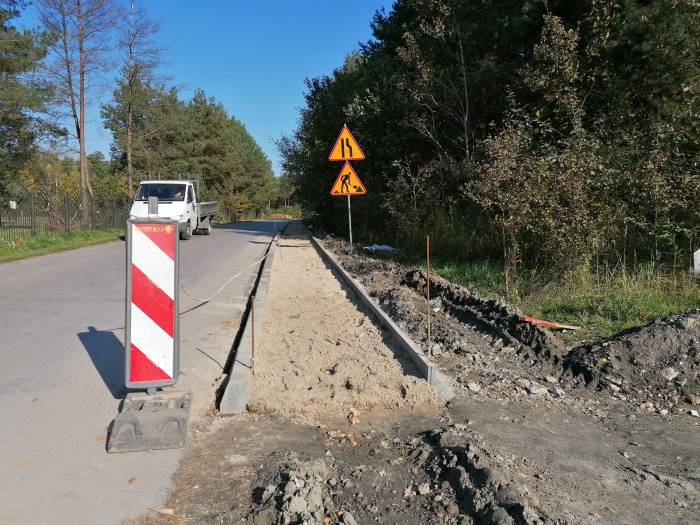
x=152, y=321
x=346, y=147
x=347, y=183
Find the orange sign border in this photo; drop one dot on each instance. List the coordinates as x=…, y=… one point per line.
x=345, y=126
x=338, y=178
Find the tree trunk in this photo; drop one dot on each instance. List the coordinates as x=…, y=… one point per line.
x=129, y=163
x=465, y=93
x=85, y=189
x=506, y=269
x=71, y=91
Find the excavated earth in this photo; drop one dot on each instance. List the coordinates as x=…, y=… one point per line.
x=540, y=432
x=603, y=422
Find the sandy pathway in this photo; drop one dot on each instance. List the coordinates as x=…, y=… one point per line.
x=320, y=356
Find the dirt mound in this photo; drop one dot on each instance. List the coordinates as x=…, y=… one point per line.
x=499, y=323
x=487, y=315
x=658, y=363
x=655, y=366
x=485, y=484
x=441, y=476
x=300, y=494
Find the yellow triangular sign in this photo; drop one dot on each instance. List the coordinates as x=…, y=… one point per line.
x=346, y=147
x=347, y=183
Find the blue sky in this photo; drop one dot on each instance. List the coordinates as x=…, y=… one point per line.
x=251, y=55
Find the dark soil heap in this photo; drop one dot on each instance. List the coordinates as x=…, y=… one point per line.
x=658, y=363
x=488, y=315
x=443, y=476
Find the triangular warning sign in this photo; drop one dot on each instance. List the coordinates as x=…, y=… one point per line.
x=346, y=147
x=347, y=183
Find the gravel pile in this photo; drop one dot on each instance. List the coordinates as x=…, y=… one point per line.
x=484, y=483
x=657, y=366
x=443, y=476
x=301, y=493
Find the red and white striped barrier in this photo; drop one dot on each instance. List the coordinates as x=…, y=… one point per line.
x=152, y=331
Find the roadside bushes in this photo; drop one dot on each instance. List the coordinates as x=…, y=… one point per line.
x=553, y=136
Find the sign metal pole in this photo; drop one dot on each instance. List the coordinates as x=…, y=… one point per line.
x=350, y=223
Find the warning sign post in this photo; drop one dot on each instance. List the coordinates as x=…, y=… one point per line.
x=347, y=183
x=152, y=321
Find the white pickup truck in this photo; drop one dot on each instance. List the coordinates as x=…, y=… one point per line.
x=177, y=200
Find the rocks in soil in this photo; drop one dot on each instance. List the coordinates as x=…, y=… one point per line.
x=536, y=389
x=522, y=382
x=348, y=519
x=656, y=363
x=488, y=315
x=473, y=387
x=300, y=493
x=446, y=475
x=485, y=483
x=669, y=373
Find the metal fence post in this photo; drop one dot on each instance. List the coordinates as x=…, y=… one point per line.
x=33, y=216
x=66, y=213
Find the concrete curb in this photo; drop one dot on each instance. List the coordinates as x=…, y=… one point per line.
x=238, y=382
x=426, y=368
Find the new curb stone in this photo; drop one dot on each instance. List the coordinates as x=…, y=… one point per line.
x=237, y=391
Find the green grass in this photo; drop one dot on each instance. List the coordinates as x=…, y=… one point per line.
x=602, y=303
x=611, y=305
x=58, y=242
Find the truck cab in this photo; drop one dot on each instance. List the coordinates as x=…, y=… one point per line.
x=177, y=200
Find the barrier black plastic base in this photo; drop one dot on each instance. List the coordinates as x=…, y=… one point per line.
x=151, y=422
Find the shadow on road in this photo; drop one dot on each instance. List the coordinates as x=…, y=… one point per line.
x=107, y=354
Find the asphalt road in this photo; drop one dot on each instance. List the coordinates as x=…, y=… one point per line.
x=61, y=374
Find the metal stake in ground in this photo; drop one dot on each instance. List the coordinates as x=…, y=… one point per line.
x=427, y=273
x=350, y=223
x=252, y=334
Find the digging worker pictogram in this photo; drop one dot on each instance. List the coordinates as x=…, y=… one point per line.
x=348, y=183
x=345, y=183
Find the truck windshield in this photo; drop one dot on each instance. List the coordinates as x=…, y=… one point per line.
x=164, y=192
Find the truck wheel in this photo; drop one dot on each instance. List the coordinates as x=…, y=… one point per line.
x=187, y=233
x=207, y=230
